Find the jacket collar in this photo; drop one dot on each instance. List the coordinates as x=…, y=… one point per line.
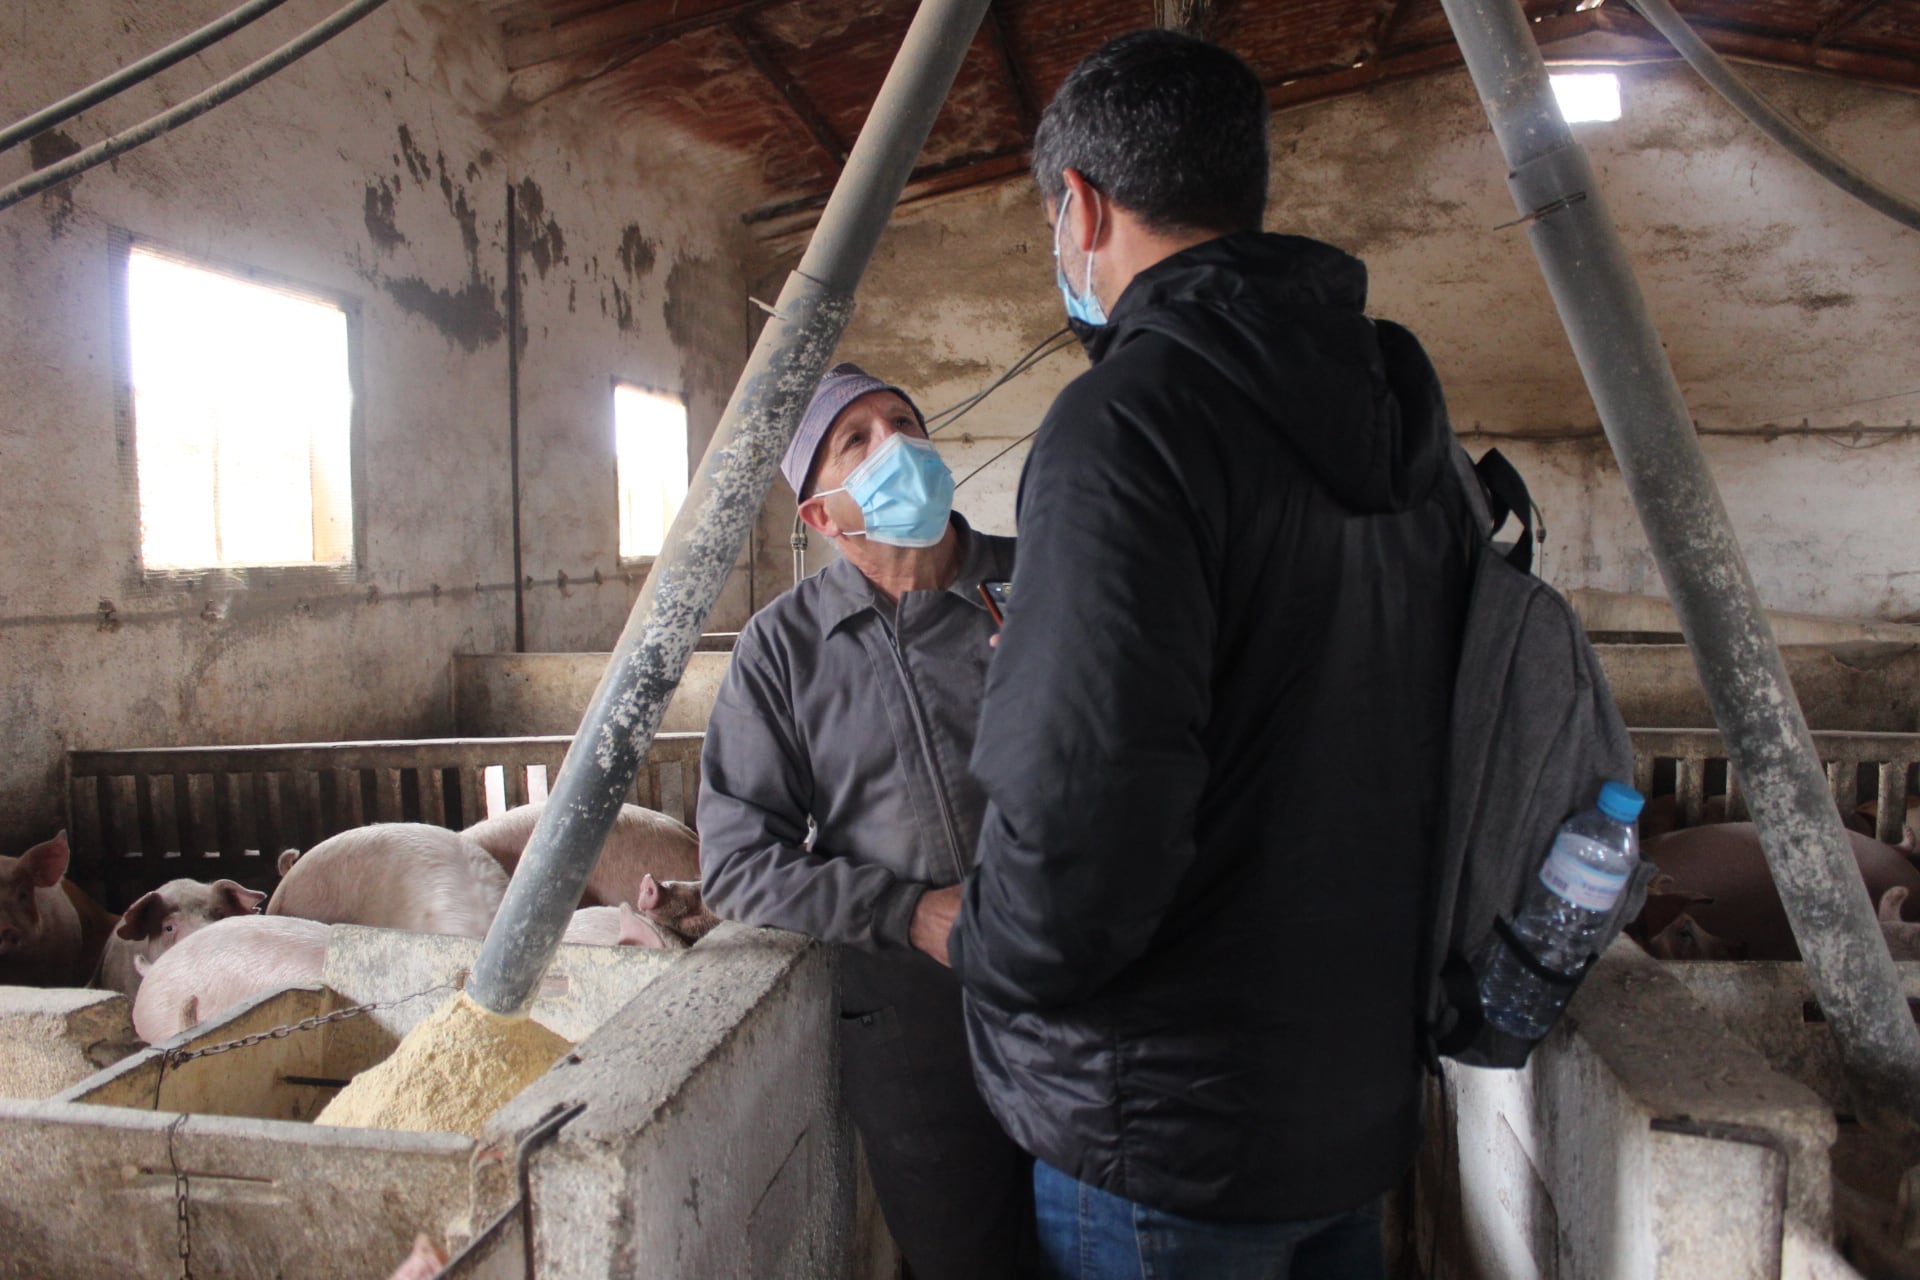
x=845, y=591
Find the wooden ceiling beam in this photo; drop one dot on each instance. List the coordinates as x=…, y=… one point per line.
x=760, y=53
x=622, y=30
x=1846, y=17
x=1024, y=107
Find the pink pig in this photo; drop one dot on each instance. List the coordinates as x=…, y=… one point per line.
x=51, y=934
x=219, y=966
x=394, y=875
x=642, y=842
x=159, y=919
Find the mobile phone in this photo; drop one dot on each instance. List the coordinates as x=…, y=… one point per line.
x=998, y=597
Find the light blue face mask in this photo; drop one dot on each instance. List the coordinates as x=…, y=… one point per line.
x=1085, y=305
x=905, y=493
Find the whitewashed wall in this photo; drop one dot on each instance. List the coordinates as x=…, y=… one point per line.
x=378, y=169
x=1781, y=301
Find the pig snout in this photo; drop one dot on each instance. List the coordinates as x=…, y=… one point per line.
x=424, y=1263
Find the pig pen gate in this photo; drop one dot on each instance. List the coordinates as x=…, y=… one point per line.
x=137, y=818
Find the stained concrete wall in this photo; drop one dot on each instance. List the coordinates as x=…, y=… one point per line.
x=1780, y=300
x=376, y=170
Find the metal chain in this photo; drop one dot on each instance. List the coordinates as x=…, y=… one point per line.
x=175, y=1057
x=183, y=1228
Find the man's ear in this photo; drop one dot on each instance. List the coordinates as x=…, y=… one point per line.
x=814, y=512
x=1089, y=214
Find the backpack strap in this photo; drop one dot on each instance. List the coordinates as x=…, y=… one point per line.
x=1507, y=496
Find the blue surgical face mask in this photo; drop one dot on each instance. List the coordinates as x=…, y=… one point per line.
x=1085, y=305
x=904, y=490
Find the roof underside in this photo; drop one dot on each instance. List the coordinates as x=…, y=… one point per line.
x=786, y=84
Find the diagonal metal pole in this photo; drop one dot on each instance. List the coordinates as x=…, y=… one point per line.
x=726, y=494
x=1652, y=435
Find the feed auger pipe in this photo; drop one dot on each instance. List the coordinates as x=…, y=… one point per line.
x=725, y=496
x=1647, y=423
x=1769, y=119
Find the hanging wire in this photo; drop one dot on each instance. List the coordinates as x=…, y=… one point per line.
x=1057, y=341
x=996, y=457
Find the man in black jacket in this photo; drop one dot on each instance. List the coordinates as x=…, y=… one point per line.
x=1213, y=733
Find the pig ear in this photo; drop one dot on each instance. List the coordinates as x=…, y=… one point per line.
x=143, y=918
x=649, y=896
x=239, y=899
x=1891, y=902
x=46, y=862
x=286, y=860
x=637, y=931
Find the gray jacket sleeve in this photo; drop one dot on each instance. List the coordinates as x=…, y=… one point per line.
x=755, y=797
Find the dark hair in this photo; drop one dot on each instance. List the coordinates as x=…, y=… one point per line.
x=1171, y=128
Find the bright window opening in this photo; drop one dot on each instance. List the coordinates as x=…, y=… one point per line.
x=1587, y=96
x=650, y=466
x=242, y=408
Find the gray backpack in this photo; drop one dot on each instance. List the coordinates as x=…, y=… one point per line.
x=1533, y=733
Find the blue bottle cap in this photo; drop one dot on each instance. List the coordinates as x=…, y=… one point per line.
x=1620, y=801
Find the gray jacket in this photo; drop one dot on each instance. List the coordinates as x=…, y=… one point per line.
x=861, y=717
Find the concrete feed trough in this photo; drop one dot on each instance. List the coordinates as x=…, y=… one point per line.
x=1686, y=1120
x=92, y=1173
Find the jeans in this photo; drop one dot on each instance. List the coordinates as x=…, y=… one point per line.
x=1090, y=1234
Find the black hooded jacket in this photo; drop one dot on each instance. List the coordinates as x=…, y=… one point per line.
x=1213, y=739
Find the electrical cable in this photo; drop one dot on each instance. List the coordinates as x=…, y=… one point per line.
x=128, y=76
x=996, y=457
x=1055, y=342
x=1769, y=119
x=198, y=105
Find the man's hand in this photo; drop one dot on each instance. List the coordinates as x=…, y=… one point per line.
x=933, y=921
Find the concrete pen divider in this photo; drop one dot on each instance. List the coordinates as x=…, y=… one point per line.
x=92, y=1175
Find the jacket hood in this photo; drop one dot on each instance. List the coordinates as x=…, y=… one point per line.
x=1282, y=318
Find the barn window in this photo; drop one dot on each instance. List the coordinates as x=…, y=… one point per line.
x=1587, y=96
x=242, y=407
x=650, y=465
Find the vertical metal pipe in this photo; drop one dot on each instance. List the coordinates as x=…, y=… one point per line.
x=720, y=507
x=1652, y=435
x=513, y=418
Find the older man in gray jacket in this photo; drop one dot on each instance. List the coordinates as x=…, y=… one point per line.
x=837, y=803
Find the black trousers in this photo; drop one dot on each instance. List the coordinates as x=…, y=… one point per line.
x=956, y=1192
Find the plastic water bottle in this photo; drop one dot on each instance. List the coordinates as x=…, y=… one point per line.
x=1567, y=906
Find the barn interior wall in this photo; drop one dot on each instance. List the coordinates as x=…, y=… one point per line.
x=376, y=170
x=1783, y=303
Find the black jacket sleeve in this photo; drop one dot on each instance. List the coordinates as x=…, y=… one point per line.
x=1090, y=745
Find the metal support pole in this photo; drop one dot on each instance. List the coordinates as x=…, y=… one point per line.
x=1652, y=435
x=713, y=524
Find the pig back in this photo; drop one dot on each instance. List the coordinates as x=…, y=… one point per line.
x=395, y=875
x=217, y=967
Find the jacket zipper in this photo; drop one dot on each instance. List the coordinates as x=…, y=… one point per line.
x=926, y=747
